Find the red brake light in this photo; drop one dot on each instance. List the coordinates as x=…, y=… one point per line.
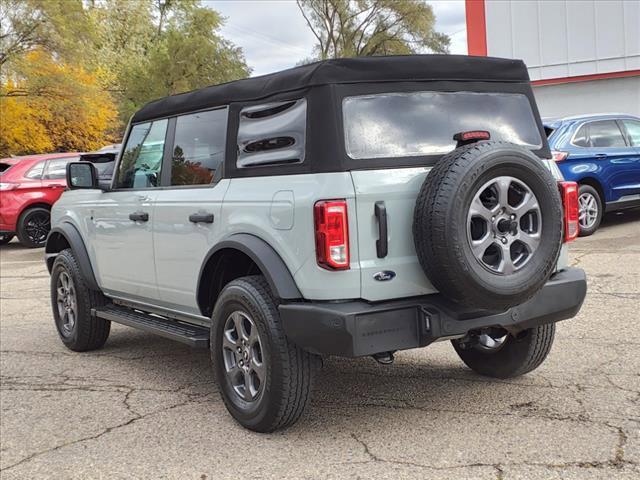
x=569, y=193
x=472, y=135
x=559, y=156
x=332, y=234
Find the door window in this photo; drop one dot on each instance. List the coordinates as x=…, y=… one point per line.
x=198, y=148
x=605, y=134
x=142, y=156
x=57, y=169
x=633, y=129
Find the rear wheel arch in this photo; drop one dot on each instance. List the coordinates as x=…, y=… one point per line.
x=241, y=255
x=595, y=184
x=63, y=236
x=35, y=205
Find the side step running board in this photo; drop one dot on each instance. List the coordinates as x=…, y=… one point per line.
x=193, y=335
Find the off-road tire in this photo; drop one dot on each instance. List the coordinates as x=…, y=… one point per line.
x=519, y=355
x=21, y=227
x=440, y=225
x=289, y=369
x=585, y=232
x=90, y=333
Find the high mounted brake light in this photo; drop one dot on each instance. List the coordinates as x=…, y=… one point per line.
x=472, y=135
x=569, y=194
x=332, y=234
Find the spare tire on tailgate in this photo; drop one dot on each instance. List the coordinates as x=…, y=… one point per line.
x=488, y=225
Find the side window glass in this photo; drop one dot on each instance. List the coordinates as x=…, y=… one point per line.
x=633, y=129
x=199, y=147
x=581, y=139
x=272, y=133
x=57, y=169
x=605, y=134
x=36, y=171
x=142, y=156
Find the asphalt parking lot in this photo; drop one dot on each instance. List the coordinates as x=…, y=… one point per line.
x=144, y=407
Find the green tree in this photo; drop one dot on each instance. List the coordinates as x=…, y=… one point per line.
x=352, y=28
x=188, y=54
x=133, y=51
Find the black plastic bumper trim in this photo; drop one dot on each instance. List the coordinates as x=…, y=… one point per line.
x=358, y=328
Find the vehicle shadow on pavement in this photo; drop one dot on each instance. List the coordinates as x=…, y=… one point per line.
x=620, y=218
x=345, y=389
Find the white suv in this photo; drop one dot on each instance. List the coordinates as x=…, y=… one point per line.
x=349, y=207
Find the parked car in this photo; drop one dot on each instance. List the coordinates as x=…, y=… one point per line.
x=104, y=160
x=349, y=207
x=602, y=154
x=29, y=186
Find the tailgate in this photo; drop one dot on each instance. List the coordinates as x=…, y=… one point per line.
x=398, y=189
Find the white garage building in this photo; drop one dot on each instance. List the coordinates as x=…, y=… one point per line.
x=583, y=55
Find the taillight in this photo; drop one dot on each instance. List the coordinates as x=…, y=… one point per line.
x=559, y=156
x=332, y=234
x=569, y=193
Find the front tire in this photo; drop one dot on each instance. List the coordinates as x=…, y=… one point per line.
x=265, y=380
x=33, y=227
x=590, y=210
x=72, y=301
x=511, y=357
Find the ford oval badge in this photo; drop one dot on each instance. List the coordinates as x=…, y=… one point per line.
x=384, y=276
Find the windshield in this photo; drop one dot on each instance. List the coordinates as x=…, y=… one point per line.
x=424, y=123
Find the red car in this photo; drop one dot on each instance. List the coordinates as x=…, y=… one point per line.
x=29, y=186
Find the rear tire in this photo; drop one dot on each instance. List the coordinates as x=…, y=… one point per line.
x=279, y=377
x=518, y=355
x=588, y=200
x=33, y=227
x=72, y=301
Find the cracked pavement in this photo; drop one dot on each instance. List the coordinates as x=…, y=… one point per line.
x=144, y=407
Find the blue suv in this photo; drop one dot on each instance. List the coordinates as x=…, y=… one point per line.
x=602, y=154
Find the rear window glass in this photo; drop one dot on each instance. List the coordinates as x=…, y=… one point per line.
x=4, y=167
x=424, y=123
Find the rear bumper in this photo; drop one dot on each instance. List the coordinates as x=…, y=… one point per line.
x=357, y=328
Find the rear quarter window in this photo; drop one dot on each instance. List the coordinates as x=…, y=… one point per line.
x=272, y=134
x=424, y=123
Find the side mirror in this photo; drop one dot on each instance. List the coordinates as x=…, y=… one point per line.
x=81, y=175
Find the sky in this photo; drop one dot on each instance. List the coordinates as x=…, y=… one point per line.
x=274, y=36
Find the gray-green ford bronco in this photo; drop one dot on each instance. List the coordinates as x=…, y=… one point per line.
x=348, y=207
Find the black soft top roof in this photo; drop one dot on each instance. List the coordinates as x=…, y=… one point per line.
x=343, y=70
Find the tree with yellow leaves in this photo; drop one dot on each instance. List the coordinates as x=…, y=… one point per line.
x=53, y=106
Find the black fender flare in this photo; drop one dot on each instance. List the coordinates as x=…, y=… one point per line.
x=265, y=257
x=74, y=239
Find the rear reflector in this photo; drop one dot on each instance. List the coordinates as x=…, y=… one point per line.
x=472, y=135
x=559, y=156
x=569, y=194
x=332, y=234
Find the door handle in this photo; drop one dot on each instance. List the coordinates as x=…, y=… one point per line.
x=57, y=185
x=601, y=156
x=139, y=217
x=201, y=217
x=382, y=244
